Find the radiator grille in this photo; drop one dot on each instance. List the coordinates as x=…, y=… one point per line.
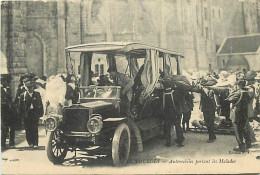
x=76, y=119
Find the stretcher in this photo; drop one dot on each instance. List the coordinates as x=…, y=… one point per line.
x=225, y=131
x=199, y=127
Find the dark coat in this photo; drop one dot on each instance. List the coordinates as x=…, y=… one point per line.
x=71, y=93
x=179, y=100
x=20, y=90
x=7, y=107
x=26, y=101
x=6, y=98
x=207, y=102
x=224, y=104
x=189, y=102
x=240, y=104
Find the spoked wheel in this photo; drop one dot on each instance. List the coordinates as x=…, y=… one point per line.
x=121, y=145
x=56, y=148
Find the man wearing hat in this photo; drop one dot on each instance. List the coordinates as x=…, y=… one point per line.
x=20, y=90
x=173, y=106
x=240, y=99
x=208, y=108
x=126, y=84
x=40, y=87
x=32, y=109
x=71, y=95
x=8, y=117
x=250, y=81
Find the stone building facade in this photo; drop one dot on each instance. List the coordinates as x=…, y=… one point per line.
x=35, y=33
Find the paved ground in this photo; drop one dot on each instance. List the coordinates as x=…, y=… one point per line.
x=196, y=156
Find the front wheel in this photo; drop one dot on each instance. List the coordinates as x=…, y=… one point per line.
x=121, y=145
x=56, y=148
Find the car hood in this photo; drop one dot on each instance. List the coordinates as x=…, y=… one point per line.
x=103, y=108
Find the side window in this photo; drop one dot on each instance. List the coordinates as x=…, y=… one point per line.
x=140, y=61
x=122, y=65
x=170, y=65
x=75, y=62
x=161, y=62
x=136, y=66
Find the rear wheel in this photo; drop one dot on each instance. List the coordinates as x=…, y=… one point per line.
x=56, y=148
x=121, y=145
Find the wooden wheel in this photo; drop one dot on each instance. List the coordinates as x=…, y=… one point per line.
x=56, y=148
x=121, y=145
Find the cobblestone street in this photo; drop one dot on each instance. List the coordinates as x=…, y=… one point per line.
x=195, y=156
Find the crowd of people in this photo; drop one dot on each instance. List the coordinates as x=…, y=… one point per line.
x=244, y=101
x=29, y=104
x=232, y=95
x=26, y=108
x=242, y=106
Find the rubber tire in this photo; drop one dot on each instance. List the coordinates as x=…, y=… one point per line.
x=122, y=129
x=50, y=154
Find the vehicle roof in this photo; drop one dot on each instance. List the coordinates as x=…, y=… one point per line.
x=117, y=47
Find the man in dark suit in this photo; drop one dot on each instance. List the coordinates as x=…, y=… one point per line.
x=8, y=117
x=240, y=100
x=208, y=108
x=32, y=109
x=20, y=90
x=172, y=115
x=173, y=108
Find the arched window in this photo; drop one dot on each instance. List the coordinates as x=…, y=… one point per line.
x=99, y=69
x=99, y=64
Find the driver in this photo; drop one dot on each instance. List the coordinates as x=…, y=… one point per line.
x=126, y=83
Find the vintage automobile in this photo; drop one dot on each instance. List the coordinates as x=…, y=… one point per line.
x=100, y=119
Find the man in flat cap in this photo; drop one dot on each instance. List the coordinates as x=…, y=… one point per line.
x=126, y=83
x=240, y=99
x=32, y=109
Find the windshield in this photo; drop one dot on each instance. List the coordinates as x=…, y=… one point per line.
x=103, y=92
